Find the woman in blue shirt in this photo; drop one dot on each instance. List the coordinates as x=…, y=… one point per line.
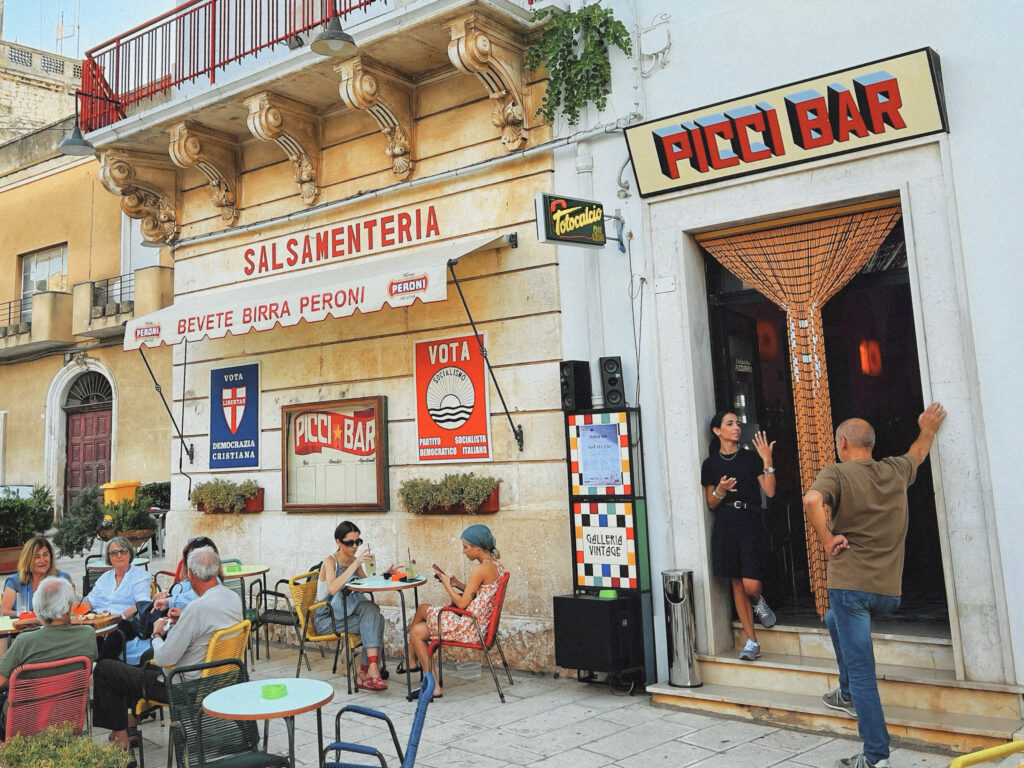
x=120, y=590
x=37, y=561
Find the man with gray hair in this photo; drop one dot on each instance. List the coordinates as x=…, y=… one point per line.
x=56, y=639
x=865, y=545
x=118, y=686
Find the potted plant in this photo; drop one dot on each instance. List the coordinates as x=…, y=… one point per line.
x=80, y=525
x=20, y=520
x=129, y=518
x=222, y=495
x=58, y=745
x=453, y=494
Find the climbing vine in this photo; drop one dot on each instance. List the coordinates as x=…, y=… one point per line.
x=574, y=46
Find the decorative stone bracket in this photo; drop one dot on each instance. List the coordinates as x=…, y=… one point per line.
x=146, y=184
x=366, y=86
x=292, y=125
x=193, y=145
x=482, y=47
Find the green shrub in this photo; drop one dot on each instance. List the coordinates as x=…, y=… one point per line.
x=154, y=495
x=223, y=495
x=419, y=495
x=58, y=747
x=77, y=530
x=21, y=519
x=129, y=515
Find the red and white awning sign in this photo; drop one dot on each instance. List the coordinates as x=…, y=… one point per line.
x=312, y=295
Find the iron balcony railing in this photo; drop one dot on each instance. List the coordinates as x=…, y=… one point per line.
x=17, y=311
x=113, y=290
x=191, y=41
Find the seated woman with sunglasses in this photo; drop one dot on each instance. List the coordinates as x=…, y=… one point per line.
x=123, y=589
x=172, y=602
x=345, y=563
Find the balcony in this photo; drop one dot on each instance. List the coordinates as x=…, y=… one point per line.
x=37, y=324
x=100, y=308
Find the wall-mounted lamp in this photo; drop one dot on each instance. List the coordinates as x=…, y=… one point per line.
x=334, y=41
x=76, y=144
x=870, y=358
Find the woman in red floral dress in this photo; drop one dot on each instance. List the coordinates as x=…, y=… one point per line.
x=476, y=596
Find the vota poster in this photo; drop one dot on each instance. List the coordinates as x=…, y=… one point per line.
x=452, y=413
x=235, y=417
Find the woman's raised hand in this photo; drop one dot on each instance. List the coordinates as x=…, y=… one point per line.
x=763, y=447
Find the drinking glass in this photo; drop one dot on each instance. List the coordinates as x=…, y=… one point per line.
x=370, y=567
x=410, y=569
x=24, y=605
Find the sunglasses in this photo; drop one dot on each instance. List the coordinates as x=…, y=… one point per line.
x=116, y=552
x=351, y=542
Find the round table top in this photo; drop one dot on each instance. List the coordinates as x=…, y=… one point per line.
x=101, y=566
x=245, y=570
x=383, y=584
x=244, y=701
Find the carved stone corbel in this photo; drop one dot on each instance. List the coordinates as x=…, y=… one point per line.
x=292, y=125
x=482, y=47
x=193, y=145
x=366, y=86
x=146, y=184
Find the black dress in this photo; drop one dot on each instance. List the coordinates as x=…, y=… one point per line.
x=737, y=536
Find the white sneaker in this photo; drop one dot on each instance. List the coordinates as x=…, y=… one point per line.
x=859, y=761
x=763, y=613
x=751, y=651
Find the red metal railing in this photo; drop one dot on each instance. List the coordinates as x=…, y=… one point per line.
x=193, y=40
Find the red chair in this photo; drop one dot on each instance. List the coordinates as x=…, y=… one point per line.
x=486, y=640
x=178, y=574
x=37, y=699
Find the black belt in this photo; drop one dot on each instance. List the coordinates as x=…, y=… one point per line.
x=738, y=504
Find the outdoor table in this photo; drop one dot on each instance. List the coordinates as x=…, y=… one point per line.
x=245, y=571
x=108, y=623
x=244, y=701
x=102, y=566
x=385, y=584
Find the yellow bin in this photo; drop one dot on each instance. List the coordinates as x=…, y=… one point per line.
x=118, y=491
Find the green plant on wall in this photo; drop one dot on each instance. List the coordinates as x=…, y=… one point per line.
x=224, y=495
x=574, y=46
x=419, y=495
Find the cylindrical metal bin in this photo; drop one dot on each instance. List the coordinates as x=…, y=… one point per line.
x=680, y=629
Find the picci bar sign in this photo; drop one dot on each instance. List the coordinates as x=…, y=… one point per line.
x=874, y=104
x=569, y=221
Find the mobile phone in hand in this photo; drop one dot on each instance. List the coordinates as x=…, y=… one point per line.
x=437, y=568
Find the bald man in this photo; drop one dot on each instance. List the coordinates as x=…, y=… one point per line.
x=865, y=546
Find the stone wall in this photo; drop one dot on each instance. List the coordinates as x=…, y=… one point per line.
x=36, y=89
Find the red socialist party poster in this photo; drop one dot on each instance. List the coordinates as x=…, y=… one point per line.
x=452, y=413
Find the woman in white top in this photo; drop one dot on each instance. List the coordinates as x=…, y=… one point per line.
x=345, y=563
x=120, y=590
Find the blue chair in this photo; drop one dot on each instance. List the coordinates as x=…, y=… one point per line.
x=408, y=758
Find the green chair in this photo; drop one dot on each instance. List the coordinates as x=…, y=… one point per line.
x=237, y=585
x=203, y=740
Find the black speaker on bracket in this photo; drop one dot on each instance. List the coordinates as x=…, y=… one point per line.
x=611, y=382
x=575, y=380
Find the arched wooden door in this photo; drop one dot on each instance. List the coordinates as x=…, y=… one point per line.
x=89, y=421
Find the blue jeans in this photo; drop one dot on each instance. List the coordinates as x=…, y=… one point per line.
x=849, y=624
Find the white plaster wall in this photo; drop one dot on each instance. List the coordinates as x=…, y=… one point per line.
x=734, y=47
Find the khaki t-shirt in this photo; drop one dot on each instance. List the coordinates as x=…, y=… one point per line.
x=868, y=499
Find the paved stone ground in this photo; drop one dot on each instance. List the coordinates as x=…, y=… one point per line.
x=545, y=723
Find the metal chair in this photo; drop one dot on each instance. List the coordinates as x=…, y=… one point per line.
x=303, y=592
x=202, y=740
x=237, y=585
x=271, y=606
x=227, y=643
x=408, y=759
x=486, y=640
x=90, y=576
x=39, y=696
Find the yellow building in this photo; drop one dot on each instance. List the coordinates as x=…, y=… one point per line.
x=72, y=412
x=311, y=206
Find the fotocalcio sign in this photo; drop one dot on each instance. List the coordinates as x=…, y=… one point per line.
x=569, y=221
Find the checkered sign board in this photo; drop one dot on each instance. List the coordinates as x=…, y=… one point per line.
x=599, y=463
x=605, y=543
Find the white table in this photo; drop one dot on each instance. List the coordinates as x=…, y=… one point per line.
x=386, y=584
x=244, y=701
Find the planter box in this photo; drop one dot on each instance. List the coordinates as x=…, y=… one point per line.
x=255, y=504
x=487, y=506
x=9, y=557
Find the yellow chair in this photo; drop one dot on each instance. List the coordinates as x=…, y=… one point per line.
x=228, y=643
x=303, y=592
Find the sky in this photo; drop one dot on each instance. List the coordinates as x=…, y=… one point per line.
x=34, y=22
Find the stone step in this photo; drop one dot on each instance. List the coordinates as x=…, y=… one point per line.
x=909, y=725
x=891, y=645
x=899, y=686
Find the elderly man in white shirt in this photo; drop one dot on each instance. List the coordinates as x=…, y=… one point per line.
x=117, y=686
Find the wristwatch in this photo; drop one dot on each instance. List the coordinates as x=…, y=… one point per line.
x=769, y=470
x=714, y=492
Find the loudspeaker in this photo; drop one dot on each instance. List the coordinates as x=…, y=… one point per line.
x=575, y=379
x=598, y=634
x=611, y=382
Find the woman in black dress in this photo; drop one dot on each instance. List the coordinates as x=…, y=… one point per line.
x=733, y=480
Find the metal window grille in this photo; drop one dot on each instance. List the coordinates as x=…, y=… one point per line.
x=18, y=56
x=51, y=65
x=113, y=290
